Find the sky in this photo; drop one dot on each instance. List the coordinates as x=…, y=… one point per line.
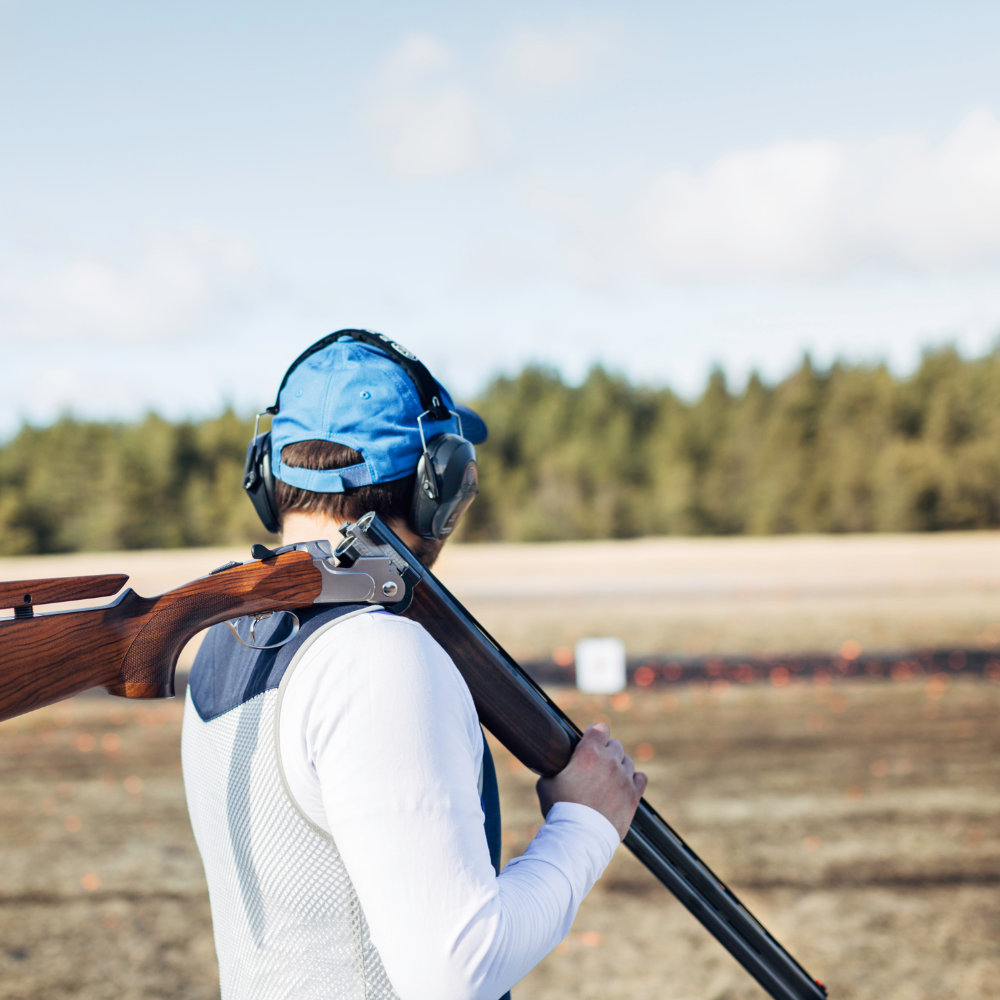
x=192, y=193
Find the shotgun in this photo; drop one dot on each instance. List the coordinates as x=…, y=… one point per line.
x=130, y=647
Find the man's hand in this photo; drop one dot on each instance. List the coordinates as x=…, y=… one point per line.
x=600, y=775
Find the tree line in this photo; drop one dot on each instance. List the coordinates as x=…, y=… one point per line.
x=850, y=448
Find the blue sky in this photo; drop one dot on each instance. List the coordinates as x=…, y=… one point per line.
x=191, y=193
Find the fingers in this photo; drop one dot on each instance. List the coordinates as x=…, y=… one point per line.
x=639, y=782
x=599, y=733
x=599, y=737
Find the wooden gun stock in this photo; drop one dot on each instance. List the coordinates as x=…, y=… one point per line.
x=510, y=705
x=130, y=647
x=23, y=595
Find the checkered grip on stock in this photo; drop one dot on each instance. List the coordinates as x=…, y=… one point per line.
x=151, y=657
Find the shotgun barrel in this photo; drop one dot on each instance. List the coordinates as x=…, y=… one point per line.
x=536, y=731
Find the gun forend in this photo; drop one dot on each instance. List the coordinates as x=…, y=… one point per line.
x=536, y=731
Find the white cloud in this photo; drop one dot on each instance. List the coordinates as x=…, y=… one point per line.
x=805, y=210
x=539, y=60
x=178, y=281
x=792, y=211
x=428, y=122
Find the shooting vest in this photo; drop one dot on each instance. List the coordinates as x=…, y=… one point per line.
x=288, y=924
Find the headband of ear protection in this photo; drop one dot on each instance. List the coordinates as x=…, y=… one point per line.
x=447, y=476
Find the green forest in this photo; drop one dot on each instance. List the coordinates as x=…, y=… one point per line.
x=846, y=449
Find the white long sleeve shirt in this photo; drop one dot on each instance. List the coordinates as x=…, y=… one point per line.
x=381, y=748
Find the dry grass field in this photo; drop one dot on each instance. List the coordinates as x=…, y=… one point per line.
x=679, y=596
x=859, y=819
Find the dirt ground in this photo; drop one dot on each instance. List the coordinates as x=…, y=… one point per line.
x=859, y=820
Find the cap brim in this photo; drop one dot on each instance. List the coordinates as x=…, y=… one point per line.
x=473, y=425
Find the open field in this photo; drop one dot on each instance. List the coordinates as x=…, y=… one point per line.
x=680, y=596
x=739, y=596
x=859, y=820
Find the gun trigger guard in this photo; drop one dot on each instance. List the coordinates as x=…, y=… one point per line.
x=256, y=619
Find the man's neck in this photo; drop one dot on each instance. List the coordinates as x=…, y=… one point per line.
x=299, y=526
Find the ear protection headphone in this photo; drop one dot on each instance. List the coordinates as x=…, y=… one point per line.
x=447, y=478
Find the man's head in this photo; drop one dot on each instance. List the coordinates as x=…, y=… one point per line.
x=346, y=438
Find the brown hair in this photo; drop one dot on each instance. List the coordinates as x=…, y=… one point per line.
x=390, y=500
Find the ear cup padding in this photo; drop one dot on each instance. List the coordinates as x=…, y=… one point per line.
x=445, y=487
x=258, y=481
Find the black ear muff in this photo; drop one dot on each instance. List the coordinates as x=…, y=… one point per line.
x=447, y=482
x=258, y=481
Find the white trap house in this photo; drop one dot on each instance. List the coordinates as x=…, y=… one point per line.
x=600, y=665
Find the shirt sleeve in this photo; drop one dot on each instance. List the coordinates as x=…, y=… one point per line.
x=380, y=745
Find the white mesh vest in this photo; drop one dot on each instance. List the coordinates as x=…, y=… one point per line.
x=287, y=920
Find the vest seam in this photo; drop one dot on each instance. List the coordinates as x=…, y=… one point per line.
x=282, y=687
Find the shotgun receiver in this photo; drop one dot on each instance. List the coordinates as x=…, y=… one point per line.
x=130, y=647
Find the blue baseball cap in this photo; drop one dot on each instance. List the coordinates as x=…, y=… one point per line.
x=354, y=394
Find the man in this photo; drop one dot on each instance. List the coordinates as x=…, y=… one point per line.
x=340, y=788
